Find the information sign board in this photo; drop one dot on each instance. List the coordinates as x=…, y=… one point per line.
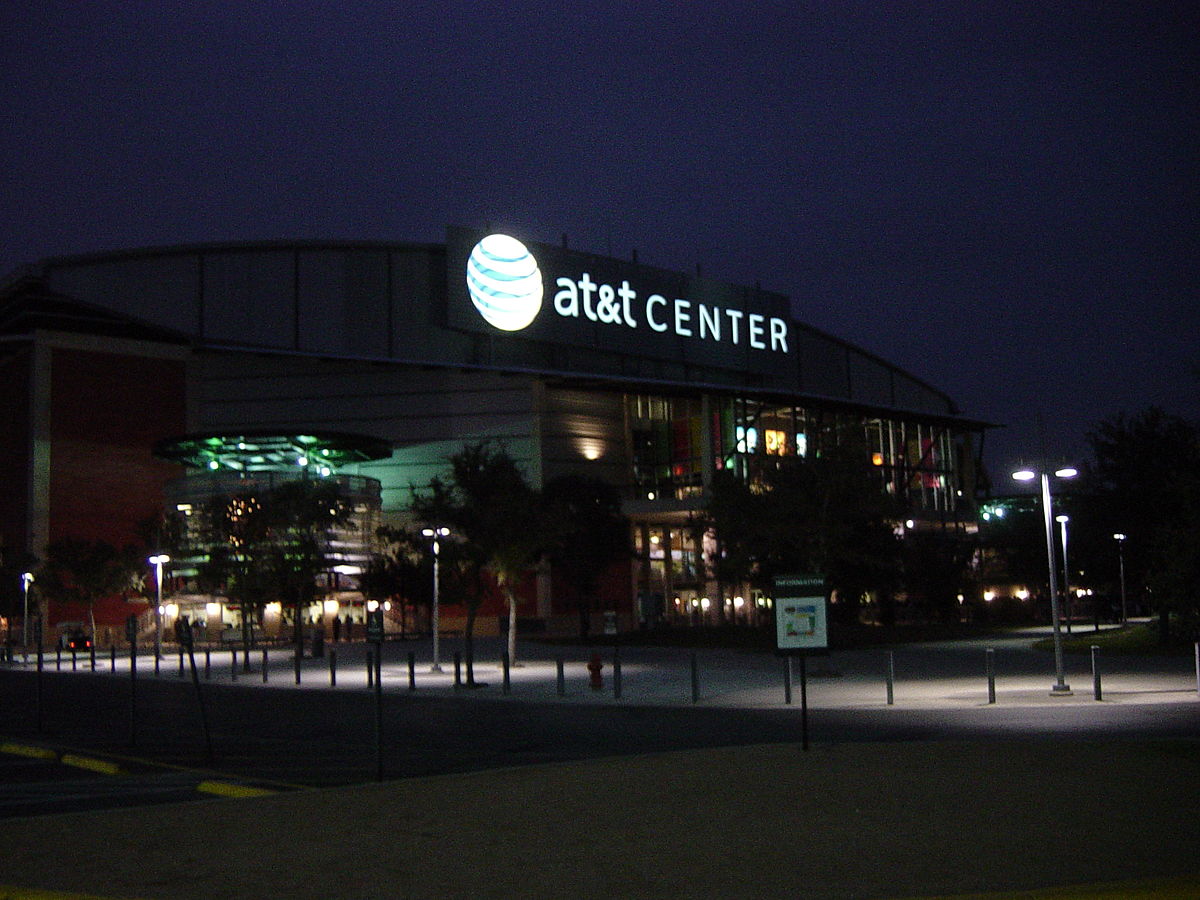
x=800, y=620
x=375, y=626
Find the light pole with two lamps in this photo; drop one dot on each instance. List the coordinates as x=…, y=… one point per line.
x=157, y=561
x=434, y=534
x=1060, y=686
x=1120, y=539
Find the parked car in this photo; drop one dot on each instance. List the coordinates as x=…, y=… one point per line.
x=76, y=639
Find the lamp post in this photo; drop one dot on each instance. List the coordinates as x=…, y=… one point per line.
x=1062, y=520
x=157, y=561
x=1060, y=686
x=26, y=580
x=1120, y=539
x=434, y=534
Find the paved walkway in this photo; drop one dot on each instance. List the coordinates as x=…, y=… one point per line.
x=950, y=674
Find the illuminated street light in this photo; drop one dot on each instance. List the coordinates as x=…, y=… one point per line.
x=26, y=580
x=1062, y=520
x=1060, y=686
x=1120, y=539
x=157, y=561
x=434, y=534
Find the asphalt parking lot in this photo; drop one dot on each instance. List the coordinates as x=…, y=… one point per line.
x=531, y=793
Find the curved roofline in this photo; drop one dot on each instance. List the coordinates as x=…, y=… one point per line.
x=152, y=251
x=319, y=245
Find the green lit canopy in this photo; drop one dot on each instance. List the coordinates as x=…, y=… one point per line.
x=268, y=451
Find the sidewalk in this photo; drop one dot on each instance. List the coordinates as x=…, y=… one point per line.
x=935, y=675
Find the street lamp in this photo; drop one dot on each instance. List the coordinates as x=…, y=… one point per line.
x=1062, y=520
x=26, y=580
x=1060, y=686
x=434, y=534
x=1120, y=539
x=157, y=561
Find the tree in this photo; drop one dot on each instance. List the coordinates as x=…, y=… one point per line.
x=825, y=514
x=496, y=516
x=1144, y=481
x=586, y=532
x=82, y=571
x=272, y=543
x=397, y=570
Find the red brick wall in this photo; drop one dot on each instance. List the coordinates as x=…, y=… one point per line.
x=106, y=413
x=14, y=452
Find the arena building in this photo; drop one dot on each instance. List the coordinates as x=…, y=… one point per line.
x=650, y=379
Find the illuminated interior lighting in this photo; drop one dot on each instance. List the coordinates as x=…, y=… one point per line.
x=1022, y=594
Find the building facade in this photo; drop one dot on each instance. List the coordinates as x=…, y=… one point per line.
x=649, y=379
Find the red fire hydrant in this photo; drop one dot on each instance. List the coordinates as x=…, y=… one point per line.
x=594, y=666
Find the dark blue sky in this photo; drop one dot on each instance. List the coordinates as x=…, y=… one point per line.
x=999, y=197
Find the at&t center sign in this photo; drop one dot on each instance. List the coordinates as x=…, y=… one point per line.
x=501, y=284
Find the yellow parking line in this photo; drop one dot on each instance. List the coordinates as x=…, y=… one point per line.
x=225, y=789
x=26, y=750
x=85, y=762
x=7, y=892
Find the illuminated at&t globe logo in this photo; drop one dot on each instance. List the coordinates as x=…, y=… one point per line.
x=504, y=282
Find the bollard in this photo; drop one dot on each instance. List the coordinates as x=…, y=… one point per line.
x=233, y=664
x=891, y=678
x=506, y=686
x=370, y=669
x=58, y=659
x=156, y=662
x=72, y=659
x=595, y=669
x=1198, y=667
x=112, y=653
x=92, y=653
x=616, y=673
x=264, y=665
x=457, y=669
x=991, y=674
x=695, y=679
x=412, y=671
x=298, y=655
x=333, y=668
x=207, y=664
x=1096, y=674
x=560, y=679
x=180, y=660
x=787, y=681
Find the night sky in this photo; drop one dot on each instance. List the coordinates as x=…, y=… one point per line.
x=1000, y=198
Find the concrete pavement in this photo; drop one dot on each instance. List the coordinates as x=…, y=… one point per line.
x=1111, y=818
x=951, y=674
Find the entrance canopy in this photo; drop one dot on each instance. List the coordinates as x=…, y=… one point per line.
x=250, y=451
